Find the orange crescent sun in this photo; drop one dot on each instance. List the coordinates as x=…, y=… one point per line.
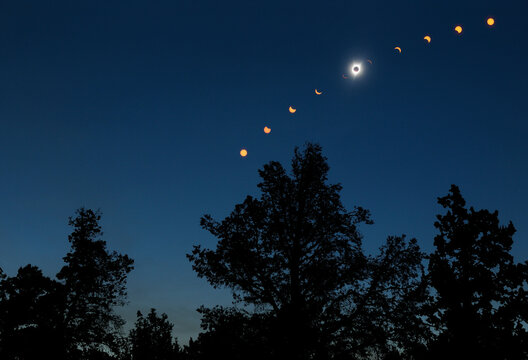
x=458, y=29
x=398, y=48
x=292, y=110
x=427, y=38
x=267, y=130
x=318, y=92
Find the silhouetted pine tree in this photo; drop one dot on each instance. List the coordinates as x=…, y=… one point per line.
x=95, y=282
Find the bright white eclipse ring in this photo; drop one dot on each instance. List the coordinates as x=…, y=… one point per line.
x=355, y=69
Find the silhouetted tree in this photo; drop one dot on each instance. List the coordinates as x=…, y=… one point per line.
x=95, y=282
x=295, y=254
x=151, y=339
x=31, y=308
x=3, y=322
x=230, y=333
x=480, y=303
x=392, y=304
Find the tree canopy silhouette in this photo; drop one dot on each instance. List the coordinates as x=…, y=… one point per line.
x=293, y=258
x=229, y=334
x=151, y=338
x=95, y=282
x=31, y=308
x=295, y=253
x=480, y=303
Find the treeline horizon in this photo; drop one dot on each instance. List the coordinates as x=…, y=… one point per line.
x=302, y=285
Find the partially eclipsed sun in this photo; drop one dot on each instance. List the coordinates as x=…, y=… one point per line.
x=427, y=38
x=458, y=29
x=267, y=130
x=398, y=48
x=318, y=92
x=292, y=110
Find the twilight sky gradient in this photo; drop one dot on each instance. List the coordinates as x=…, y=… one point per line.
x=141, y=107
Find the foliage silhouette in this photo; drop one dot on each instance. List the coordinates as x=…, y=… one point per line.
x=293, y=259
x=480, y=299
x=296, y=255
x=31, y=325
x=230, y=334
x=95, y=282
x=151, y=338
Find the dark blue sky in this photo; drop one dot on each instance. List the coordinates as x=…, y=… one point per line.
x=141, y=107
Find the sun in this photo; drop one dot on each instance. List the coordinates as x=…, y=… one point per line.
x=355, y=69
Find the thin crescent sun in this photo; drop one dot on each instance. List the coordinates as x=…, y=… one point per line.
x=292, y=110
x=398, y=48
x=427, y=38
x=318, y=92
